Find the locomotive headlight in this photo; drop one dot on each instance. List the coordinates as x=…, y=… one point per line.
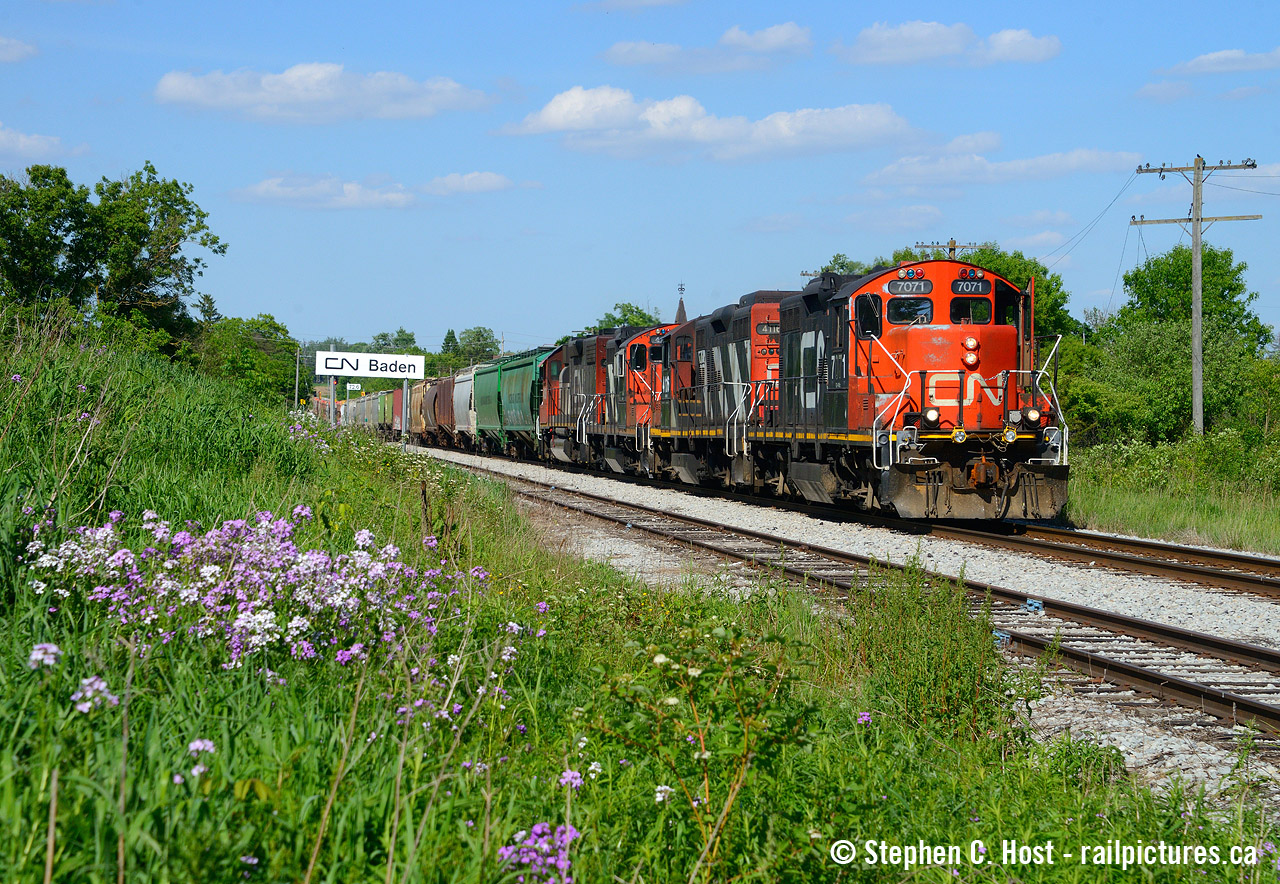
x=1009, y=434
x=932, y=416
x=902, y=274
x=971, y=343
x=1033, y=416
x=979, y=274
x=970, y=359
x=959, y=435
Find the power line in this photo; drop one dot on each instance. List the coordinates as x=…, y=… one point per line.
x=1244, y=189
x=1088, y=228
x=1119, y=267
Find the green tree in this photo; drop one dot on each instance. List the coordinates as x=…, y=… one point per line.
x=846, y=266
x=257, y=353
x=208, y=310
x=147, y=223
x=450, y=345
x=50, y=240
x=477, y=343
x=1160, y=290
x=127, y=251
x=625, y=313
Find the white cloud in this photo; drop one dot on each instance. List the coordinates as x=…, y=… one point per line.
x=977, y=142
x=918, y=41
x=1043, y=218
x=738, y=50
x=15, y=50
x=1037, y=242
x=909, y=43
x=326, y=192
x=1240, y=93
x=612, y=120
x=1018, y=46
x=28, y=147
x=1165, y=90
x=638, y=53
x=1228, y=61
x=316, y=93
x=897, y=218
x=788, y=37
x=471, y=182
x=580, y=109
x=975, y=169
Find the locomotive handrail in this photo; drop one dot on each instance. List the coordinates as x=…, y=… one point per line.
x=581, y=423
x=897, y=401
x=732, y=420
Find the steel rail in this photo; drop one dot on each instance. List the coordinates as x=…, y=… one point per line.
x=1215, y=701
x=1197, y=565
x=1208, y=567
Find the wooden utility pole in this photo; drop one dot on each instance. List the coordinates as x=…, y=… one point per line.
x=951, y=246
x=1199, y=172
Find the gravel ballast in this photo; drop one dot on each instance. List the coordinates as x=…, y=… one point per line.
x=1235, y=615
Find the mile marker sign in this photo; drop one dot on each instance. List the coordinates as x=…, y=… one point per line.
x=370, y=365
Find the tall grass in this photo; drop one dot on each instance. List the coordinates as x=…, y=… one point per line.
x=657, y=734
x=1222, y=489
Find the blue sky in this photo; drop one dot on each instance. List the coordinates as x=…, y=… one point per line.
x=524, y=166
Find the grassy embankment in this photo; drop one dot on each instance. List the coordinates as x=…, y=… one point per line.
x=289, y=698
x=1216, y=490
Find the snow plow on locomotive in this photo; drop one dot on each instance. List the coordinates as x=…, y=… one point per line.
x=913, y=389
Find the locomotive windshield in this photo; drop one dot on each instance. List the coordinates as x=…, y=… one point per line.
x=905, y=311
x=966, y=311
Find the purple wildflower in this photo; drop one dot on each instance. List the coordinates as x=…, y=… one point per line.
x=44, y=654
x=540, y=857
x=195, y=747
x=864, y=718
x=93, y=694
x=572, y=779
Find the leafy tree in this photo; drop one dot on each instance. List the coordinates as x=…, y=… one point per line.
x=208, y=310
x=257, y=353
x=146, y=221
x=450, y=345
x=843, y=264
x=50, y=240
x=125, y=251
x=1160, y=290
x=1136, y=383
x=625, y=313
x=477, y=343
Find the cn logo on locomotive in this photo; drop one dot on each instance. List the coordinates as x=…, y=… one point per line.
x=994, y=393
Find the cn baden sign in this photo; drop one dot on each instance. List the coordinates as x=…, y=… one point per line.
x=369, y=365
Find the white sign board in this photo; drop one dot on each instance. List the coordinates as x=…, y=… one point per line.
x=351, y=386
x=369, y=365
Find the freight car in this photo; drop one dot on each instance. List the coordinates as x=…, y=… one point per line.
x=913, y=389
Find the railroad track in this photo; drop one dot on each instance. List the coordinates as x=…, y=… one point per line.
x=1217, y=568
x=1222, y=569
x=1233, y=681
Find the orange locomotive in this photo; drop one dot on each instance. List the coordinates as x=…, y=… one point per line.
x=913, y=389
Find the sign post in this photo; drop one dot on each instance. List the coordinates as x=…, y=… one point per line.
x=371, y=365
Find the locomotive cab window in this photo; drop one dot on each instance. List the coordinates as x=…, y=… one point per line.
x=684, y=348
x=866, y=316
x=970, y=311
x=639, y=357
x=908, y=311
